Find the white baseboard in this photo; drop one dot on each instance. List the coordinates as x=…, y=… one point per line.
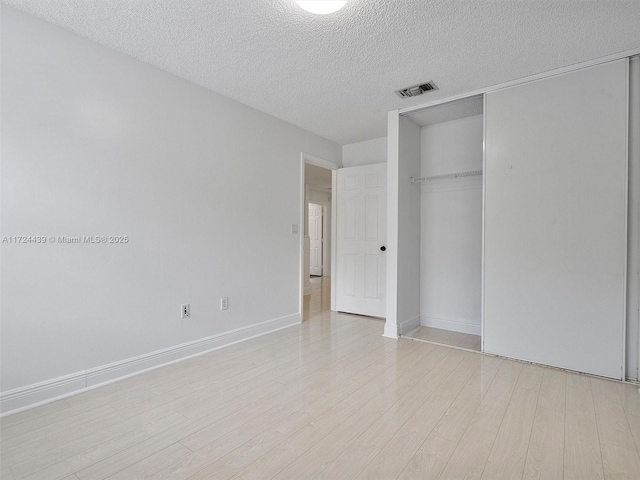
x=40, y=393
x=407, y=326
x=452, y=325
x=394, y=331
x=391, y=331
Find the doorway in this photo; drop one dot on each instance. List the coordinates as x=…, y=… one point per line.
x=318, y=228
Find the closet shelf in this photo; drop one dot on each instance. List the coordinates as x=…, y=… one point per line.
x=468, y=173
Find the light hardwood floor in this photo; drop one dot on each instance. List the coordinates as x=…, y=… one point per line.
x=333, y=399
x=446, y=337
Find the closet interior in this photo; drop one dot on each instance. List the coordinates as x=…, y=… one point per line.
x=450, y=183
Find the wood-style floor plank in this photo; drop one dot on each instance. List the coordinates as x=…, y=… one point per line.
x=350, y=462
x=61, y=462
x=430, y=458
x=545, y=457
x=457, y=418
x=304, y=403
x=582, y=454
x=470, y=456
x=509, y=453
x=6, y=474
x=433, y=455
x=161, y=460
x=546, y=446
x=399, y=450
x=494, y=405
x=45, y=414
x=383, y=386
x=309, y=464
x=385, y=427
x=613, y=425
x=619, y=462
x=253, y=449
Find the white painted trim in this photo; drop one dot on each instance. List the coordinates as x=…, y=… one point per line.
x=393, y=152
x=531, y=78
x=408, y=325
x=452, y=325
x=391, y=331
x=301, y=231
x=484, y=190
x=633, y=228
x=23, y=398
x=626, y=230
x=334, y=236
x=319, y=162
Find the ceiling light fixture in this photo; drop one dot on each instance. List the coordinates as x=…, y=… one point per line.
x=321, y=7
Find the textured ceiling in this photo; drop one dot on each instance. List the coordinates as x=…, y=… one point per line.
x=335, y=75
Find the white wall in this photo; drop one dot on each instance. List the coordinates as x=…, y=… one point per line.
x=403, y=226
x=368, y=152
x=322, y=198
x=409, y=227
x=97, y=143
x=451, y=227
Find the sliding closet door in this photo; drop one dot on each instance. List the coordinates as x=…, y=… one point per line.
x=555, y=206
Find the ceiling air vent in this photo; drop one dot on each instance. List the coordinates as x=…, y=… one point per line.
x=416, y=90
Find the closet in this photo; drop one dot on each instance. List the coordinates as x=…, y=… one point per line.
x=516, y=202
x=450, y=183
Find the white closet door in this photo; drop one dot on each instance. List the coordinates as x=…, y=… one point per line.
x=555, y=229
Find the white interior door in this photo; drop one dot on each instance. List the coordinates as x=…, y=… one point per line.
x=316, y=239
x=361, y=240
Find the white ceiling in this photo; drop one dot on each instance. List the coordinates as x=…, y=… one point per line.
x=335, y=75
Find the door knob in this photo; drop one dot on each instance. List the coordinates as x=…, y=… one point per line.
x=383, y=248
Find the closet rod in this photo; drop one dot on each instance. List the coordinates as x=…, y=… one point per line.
x=468, y=173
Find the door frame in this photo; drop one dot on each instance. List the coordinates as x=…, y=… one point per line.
x=319, y=162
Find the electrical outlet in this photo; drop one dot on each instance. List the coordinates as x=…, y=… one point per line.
x=224, y=303
x=185, y=310
x=294, y=228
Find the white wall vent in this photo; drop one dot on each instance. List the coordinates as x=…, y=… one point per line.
x=416, y=90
